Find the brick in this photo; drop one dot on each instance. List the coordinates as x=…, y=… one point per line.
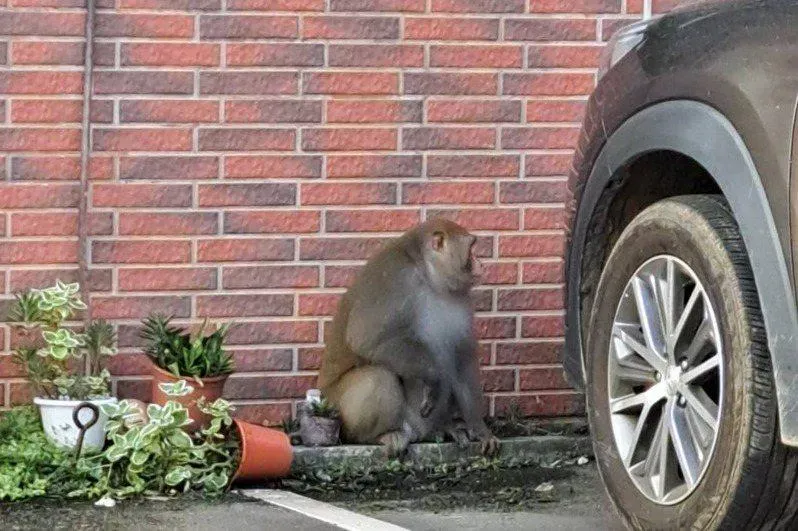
x=244, y=250
x=48, y=3
x=244, y=305
x=135, y=389
x=525, y=353
x=170, y=54
x=348, y=139
x=350, y=83
x=539, y=137
x=547, y=165
x=564, y=56
x=548, y=84
x=658, y=6
x=275, y=222
x=167, y=279
x=350, y=27
x=275, y=54
x=324, y=194
x=544, y=218
x=20, y=393
x=40, y=82
x=129, y=364
x=104, y=54
x=143, y=25
x=550, y=29
x=497, y=380
x=482, y=218
x=387, y=55
x=15, y=196
x=276, y=5
x=260, y=194
x=309, y=359
x=542, y=326
x=3, y=53
x=8, y=368
x=248, y=27
x=143, y=82
x=25, y=23
x=494, y=327
x=539, y=378
x=450, y=83
x=167, y=224
x=555, y=111
x=349, y=248
x=473, y=166
x=168, y=168
x=248, y=83
x=246, y=139
x=58, y=224
x=371, y=220
x=499, y=273
x=139, y=307
x=47, y=53
x=459, y=110
x=530, y=245
x=478, y=6
x=273, y=111
x=543, y=404
x=141, y=252
x=407, y=6
x=182, y=5
x=426, y=138
x=272, y=359
x=269, y=387
x=532, y=192
x=451, y=29
x=476, y=56
x=318, y=304
x=272, y=167
x=99, y=279
x=373, y=111
x=267, y=414
x=141, y=195
x=266, y=277
x=59, y=111
x=542, y=272
x=168, y=111
x=34, y=252
x=274, y=332
x=447, y=193
x=373, y=166
x=530, y=299
x=339, y=276
x=575, y=6
x=46, y=168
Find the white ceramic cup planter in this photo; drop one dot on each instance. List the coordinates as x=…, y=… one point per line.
x=60, y=428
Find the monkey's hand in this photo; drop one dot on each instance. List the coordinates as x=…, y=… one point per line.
x=459, y=436
x=395, y=443
x=490, y=445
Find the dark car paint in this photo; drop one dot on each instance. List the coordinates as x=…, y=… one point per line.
x=741, y=59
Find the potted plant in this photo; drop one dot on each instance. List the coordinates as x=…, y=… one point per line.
x=65, y=368
x=320, y=425
x=177, y=354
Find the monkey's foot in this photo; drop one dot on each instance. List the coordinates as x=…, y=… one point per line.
x=490, y=445
x=459, y=436
x=395, y=442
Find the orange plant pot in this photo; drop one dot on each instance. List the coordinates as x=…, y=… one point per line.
x=211, y=389
x=266, y=453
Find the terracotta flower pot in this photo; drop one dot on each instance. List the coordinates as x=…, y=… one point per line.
x=265, y=453
x=211, y=389
x=319, y=431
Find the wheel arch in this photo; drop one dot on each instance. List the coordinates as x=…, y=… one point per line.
x=702, y=134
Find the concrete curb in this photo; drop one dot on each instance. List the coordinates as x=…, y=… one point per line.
x=543, y=450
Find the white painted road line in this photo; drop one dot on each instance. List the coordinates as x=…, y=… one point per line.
x=324, y=512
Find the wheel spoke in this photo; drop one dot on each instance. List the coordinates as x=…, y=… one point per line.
x=702, y=336
x=688, y=310
x=642, y=420
x=684, y=445
x=649, y=313
x=672, y=291
x=699, y=402
x=657, y=459
x=711, y=363
x=632, y=401
x=655, y=360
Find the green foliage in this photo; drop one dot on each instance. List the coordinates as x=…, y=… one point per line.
x=28, y=462
x=182, y=354
x=159, y=457
x=44, y=311
x=323, y=408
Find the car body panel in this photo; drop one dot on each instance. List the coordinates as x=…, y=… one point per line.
x=735, y=65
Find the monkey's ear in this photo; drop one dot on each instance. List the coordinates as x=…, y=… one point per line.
x=436, y=242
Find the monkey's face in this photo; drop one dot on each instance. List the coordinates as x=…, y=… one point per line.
x=453, y=260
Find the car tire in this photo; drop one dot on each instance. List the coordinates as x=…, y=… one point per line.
x=748, y=481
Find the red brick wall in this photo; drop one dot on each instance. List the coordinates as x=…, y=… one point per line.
x=248, y=155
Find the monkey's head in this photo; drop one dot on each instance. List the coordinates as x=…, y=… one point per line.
x=449, y=255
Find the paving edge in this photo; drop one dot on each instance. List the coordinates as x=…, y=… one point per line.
x=543, y=450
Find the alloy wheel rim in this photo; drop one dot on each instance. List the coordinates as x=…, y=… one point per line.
x=666, y=379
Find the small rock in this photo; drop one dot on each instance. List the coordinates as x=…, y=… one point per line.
x=545, y=488
x=583, y=460
x=105, y=502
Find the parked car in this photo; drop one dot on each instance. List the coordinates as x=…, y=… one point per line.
x=681, y=320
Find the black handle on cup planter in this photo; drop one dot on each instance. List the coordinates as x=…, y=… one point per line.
x=95, y=416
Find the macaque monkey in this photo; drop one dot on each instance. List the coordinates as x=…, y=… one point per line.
x=400, y=358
